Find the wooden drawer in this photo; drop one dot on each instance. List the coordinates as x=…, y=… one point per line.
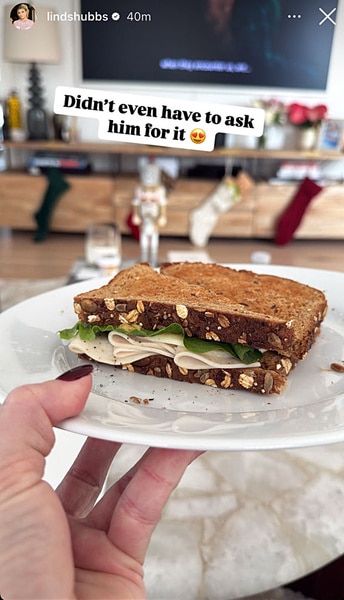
x=88, y=199
x=270, y=202
x=323, y=218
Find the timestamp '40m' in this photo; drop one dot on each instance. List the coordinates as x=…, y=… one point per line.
x=138, y=16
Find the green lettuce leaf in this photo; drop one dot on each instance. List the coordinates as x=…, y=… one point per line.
x=90, y=332
x=245, y=354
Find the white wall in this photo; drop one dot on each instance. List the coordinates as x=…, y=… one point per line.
x=68, y=73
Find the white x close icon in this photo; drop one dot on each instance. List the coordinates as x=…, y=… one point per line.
x=327, y=16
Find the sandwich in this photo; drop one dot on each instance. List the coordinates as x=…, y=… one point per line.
x=199, y=323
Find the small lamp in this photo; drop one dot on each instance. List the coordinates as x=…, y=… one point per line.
x=39, y=44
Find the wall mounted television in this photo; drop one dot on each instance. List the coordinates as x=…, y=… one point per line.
x=259, y=43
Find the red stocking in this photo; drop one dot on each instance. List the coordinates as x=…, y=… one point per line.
x=292, y=216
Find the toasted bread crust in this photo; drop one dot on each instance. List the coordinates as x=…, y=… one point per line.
x=141, y=296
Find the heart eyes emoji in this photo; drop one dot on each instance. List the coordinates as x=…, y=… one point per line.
x=197, y=136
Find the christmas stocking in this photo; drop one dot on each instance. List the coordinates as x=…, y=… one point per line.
x=204, y=218
x=292, y=216
x=57, y=185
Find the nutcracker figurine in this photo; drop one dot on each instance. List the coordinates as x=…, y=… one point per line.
x=149, y=211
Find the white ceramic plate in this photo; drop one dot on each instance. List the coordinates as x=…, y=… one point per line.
x=183, y=415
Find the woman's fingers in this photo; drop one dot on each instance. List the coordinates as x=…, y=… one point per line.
x=27, y=417
x=100, y=517
x=138, y=510
x=83, y=483
x=35, y=544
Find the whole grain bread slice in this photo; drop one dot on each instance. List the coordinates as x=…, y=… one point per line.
x=273, y=296
x=269, y=378
x=258, y=380
x=141, y=296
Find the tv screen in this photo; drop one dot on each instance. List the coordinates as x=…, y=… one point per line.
x=265, y=43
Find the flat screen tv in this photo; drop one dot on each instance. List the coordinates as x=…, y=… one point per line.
x=261, y=43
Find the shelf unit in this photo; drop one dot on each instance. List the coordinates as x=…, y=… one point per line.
x=126, y=148
x=108, y=197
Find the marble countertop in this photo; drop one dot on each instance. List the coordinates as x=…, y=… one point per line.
x=242, y=523
x=239, y=523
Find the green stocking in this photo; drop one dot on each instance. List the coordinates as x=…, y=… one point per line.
x=57, y=185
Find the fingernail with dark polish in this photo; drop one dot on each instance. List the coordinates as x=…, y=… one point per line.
x=76, y=373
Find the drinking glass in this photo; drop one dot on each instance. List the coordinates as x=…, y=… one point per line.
x=103, y=247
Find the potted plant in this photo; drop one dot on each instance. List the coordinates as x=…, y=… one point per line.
x=308, y=120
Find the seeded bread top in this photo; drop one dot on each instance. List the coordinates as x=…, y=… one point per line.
x=275, y=296
x=142, y=296
x=266, y=294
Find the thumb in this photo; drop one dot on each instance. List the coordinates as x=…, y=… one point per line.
x=30, y=411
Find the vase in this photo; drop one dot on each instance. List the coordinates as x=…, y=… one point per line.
x=274, y=137
x=308, y=138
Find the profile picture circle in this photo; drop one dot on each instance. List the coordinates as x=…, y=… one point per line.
x=23, y=16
